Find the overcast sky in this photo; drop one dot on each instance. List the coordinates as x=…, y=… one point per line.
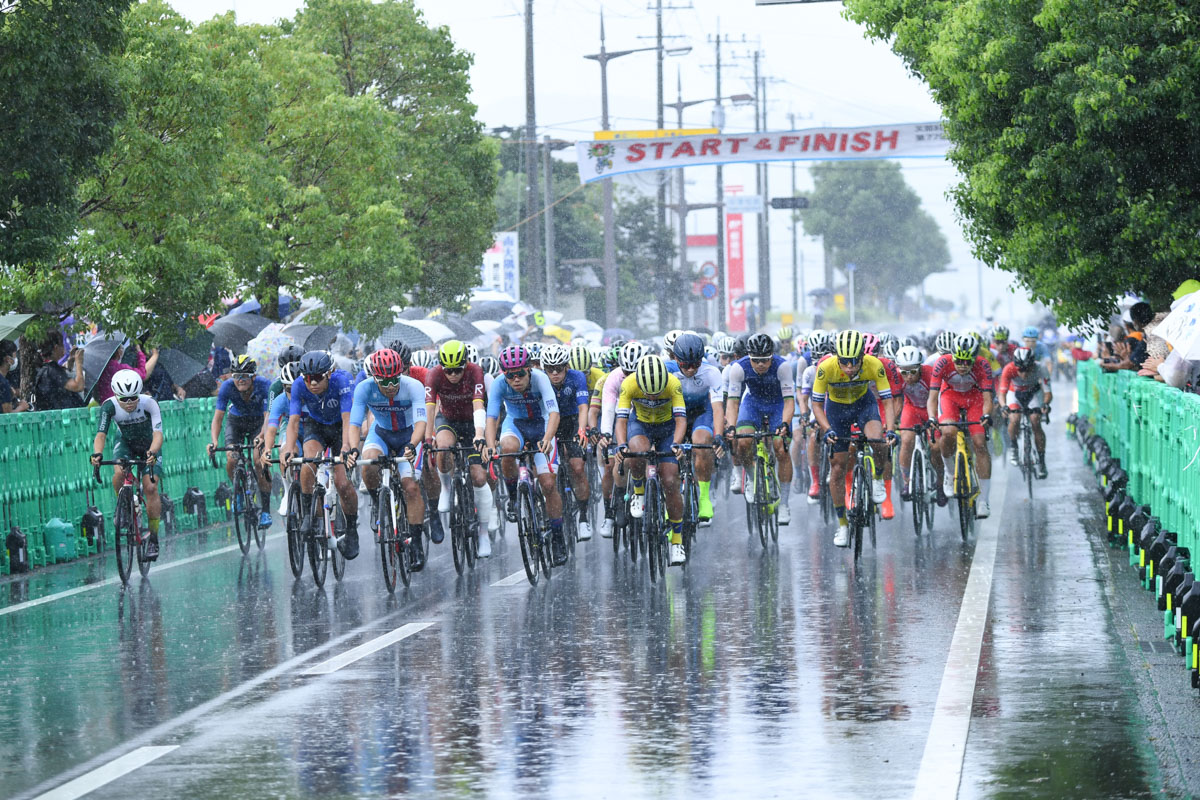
x=821, y=69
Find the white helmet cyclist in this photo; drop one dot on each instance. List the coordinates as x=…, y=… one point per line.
x=908, y=357
x=726, y=345
x=423, y=358
x=126, y=383
x=555, y=355
x=669, y=340
x=472, y=353
x=631, y=354
x=291, y=370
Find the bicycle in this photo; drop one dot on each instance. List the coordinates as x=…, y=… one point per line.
x=691, y=495
x=321, y=541
x=760, y=515
x=533, y=528
x=464, y=517
x=966, y=477
x=826, y=497
x=595, y=486
x=570, y=505
x=389, y=519
x=922, y=480
x=243, y=502
x=127, y=527
x=650, y=528
x=863, y=511
x=1025, y=435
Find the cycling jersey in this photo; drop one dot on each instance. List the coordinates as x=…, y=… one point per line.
x=832, y=383
x=396, y=414
x=608, y=399
x=946, y=377
x=571, y=394
x=136, y=427
x=326, y=408
x=1012, y=379
x=457, y=399
x=768, y=388
x=651, y=410
x=231, y=400
x=702, y=389
x=917, y=394
x=536, y=402
x=595, y=378
x=279, y=409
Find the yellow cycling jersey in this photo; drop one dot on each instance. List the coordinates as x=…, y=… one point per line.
x=831, y=382
x=651, y=410
x=595, y=382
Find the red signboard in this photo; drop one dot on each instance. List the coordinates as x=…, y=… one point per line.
x=735, y=280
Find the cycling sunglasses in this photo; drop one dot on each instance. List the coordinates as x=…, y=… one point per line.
x=962, y=362
x=760, y=359
x=560, y=368
x=453, y=370
x=910, y=371
x=243, y=376
x=516, y=373
x=689, y=365
x=849, y=362
x=128, y=399
x=314, y=378
x=388, y=382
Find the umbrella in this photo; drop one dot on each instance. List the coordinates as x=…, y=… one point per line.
x=489, y=309
x=486, y=326
x=248, y=307
x=404, y=332
x=233, y=331
x=414, y=313
x=436, y=331
x=266, y=347
x=312, y=337
x=612, y=333
x=179, y=365
x=462, y=327
x=584, y=326
x=11, y=325
x=562, y=334
x=1181, y=328
x=96, y=355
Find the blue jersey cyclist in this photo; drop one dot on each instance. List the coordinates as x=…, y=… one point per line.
x=574, y=397
x=704, y=397
x=531, y=414
x=761, y=384
x=242, y=405
x=397, y=404
x=322, y=401
x=278, y=415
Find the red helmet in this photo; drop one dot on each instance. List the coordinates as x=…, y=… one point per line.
x=386, y=364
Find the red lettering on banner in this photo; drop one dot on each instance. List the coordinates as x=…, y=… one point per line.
x=658, y=148
x=804, y=144
x=892, y=138
x=735, y=271
x=710, y=147
x=827, y=141
x=862, y=141
x=786, y=141
x=636, y=153
x=842, y=146
x=684, y=149
x=737, y=143
x=763, y=144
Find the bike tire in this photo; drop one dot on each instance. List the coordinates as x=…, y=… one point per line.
x=545, y=545
x=618, y=532
x=124, y=533
x=386, y=538
x=244, y=535
x=401, y=545
x=653, y=530
x=260, y=533
x=471, y=524
x=916, y=489
x=251, y=510
x=872, y=519
x=761, y=498
x=856, y=512
x=527, y=533
x=318, y=552
x=336, y=523
x=457, y=535
x=295, y=541
x=1027, y=456
x=966, y=509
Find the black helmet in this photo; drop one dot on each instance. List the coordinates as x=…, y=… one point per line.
x=316, y=362
x=404, y=350
x=739, y=346
x=293, y=352
x=760, y=345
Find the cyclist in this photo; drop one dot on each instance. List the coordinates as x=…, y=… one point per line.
x=278, y=412
x=289, y=355
x=1025, y=382
x=669, y=343
x=139, y=436
x=535, y=356
x=322, y=402
x=531, y=412
x=701, y=385
x=397, y=403
x=769, y=391
x=943, y=344
x=889, y=409
x=917, y=377
x=571, y=392
x=242, y=408
x=606, y=413
x=842, y=398
x=820, y=348
x=455, y=398
x=1002, y=349
x=726, y=346
x=651, y=414
x=962, y=381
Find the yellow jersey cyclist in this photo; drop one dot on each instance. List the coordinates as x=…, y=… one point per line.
x=140, y=436
x=768, y=388
x=651, y=414
x=243, y=405
x=704, y=397
x=842, y=397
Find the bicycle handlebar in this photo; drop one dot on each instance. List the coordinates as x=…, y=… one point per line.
x=123, y=463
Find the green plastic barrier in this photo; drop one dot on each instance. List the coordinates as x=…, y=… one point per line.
x=1155, y=430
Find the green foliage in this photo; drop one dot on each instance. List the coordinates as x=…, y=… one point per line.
x=871, y=218
x=59, y=99
x=1073, y=123
x=645, y=263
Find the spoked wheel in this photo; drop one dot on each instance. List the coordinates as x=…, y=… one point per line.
x=966, y=508
x=337, y=530
x=916, y=490
x=618, y=532
x=260, y=533
x=124, y=533
x=318, y=552
x=871, y=519
x=652, y=527
x=389, y=552
x=931, y=481
x=528, y=534
x=244, y=535
x=634, y=531
x=295, y=541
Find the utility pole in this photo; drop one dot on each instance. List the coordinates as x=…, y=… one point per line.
x=719, y=122
x=797, y=273
x=662, y=186
x=532, y=251
x=764, y=246
x=548, y=175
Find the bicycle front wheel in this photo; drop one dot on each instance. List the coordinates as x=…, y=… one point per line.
x=527, y=534
x=244, y=535
x=860, y=489
x=916, y=489
x=124, y=533
x=1027, y=456
x=337, y=530
x=652, y=526
x=318, y=552
x=962, y=486
x=295, y=541
x=389, y=553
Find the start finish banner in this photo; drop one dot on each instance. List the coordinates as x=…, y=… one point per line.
x=604, y=159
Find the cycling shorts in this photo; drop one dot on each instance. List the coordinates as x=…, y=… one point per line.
x=464, y=434
x=122, y=450
x=568, y=444
x=1032, y=398
x=950, y=404
x=750, y=414
x=241, y=429
x=842, y=416
x=328, y=436
x=660, y=434
x=699, y=419
x=912, y=416
x=392, y=443
x=530, y=431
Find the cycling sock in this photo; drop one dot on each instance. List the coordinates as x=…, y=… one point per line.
x=816, y=476
x=676, y=531
x=417, y=530
x=904, y=471
x=266, y=503
x=985, y=486
x=785, y=488
x=153, y=526
x=582, y=511
x=841, y=513
x=483, y=503
x=352, y=523
x=444, y=477
x=704, y=489
x=639, y=487
x=887, y=484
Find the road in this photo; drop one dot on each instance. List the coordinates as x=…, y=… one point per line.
x=934, y=668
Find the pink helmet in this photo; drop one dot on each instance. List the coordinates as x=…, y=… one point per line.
x=514, y=357
x=870, y=343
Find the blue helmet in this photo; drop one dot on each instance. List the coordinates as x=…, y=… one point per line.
x=1030, y=332
x=689, y=349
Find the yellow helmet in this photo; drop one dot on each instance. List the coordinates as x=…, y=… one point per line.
x=849, y=345
x=452, y=354
x=652, y=375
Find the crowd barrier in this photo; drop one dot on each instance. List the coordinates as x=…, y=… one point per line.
x=45, y=477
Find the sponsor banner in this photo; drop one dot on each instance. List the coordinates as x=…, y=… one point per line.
x=501, y=268
x=603, y=159
x=735, y=267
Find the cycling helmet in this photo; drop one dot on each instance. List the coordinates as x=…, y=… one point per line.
x=965, y=347
x=689, y=349
x=452, y=354
x=489, y=365
x=760, y=345
x=598, y=352
x=849, y=345
x=710, y=351
x=785, y=334
x=908, y=357
x=669, y=339
x=293, y=352
x=581, y=357
x=652, y=375
x=403, y=350
x=472, y=353
x=870, y=343
x=1030, y=332
x=944, y=342
x=631, y=354
x=818, y=342
x=555, y=355
x=889, y=349
x=908, y=341
x=423, y=358
x=1023, y=358
x=514, y=356
x=289, y=373
x=126, y=383
x=243, y=364
x=726, y=345
x=739, y=346
x=999, y=334
x=611, y=358
x=316, y=362
x=534, y=350
x=980, y=342
x=885, y=338
x=618, y=342
x=385, y=364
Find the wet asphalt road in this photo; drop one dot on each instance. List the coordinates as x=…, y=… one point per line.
x=751, y=674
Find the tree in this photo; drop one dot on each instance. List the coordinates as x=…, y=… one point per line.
x=447, y=167
x=59, y=100
x=871, y=218
x=1073, y=123
x=645, y=252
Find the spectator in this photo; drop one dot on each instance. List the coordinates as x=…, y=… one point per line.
x=53, y=388
x=1129, y=349
x=140, y=364
x=221, y=362
x=162, y=387
x=8, y=362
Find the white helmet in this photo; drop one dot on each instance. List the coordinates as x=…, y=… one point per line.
x=472, y=353
x=908, y=357
x=669, y=338
x=631, y=354
x=287, y=376
x=126, y=383
x=555, y=355
x=423, y=358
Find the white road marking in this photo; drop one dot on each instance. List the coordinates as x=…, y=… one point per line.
x=941, y=765
x=108, y=773
x=367, y=648
x=511, y=580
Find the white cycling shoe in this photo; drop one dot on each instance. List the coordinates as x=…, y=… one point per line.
x=485, y=546
x=444, y=502
x=784, y=514
x=585, y=531
x=735, y=481
x=841, y=538
x=637, y=505
x=878, y=490
x=678, y=555
x=606, y=528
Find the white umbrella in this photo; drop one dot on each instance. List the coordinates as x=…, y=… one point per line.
x=1181, y=328
x=432, y=328
x=483, y=295
x=583, y=326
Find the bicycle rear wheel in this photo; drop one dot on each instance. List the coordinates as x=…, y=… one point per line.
x=337, y=530
x=527, y=534
x=295, y=541
x=318, y=552
x=244, y=535
x=916, y=489
x=124, y=533
x=389, y=554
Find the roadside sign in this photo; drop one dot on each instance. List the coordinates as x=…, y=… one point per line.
x=708, y=270
x=789, y=202
x=744, y=204
x=709, y=291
